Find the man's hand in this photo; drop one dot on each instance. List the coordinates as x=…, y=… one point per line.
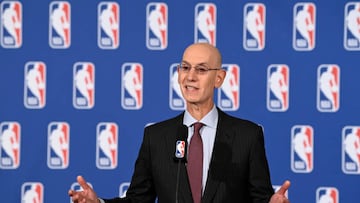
x=87, y=195
x=279, y=196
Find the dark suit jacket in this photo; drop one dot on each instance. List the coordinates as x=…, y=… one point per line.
x=238, y=171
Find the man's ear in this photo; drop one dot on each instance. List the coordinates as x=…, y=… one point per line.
x=219, y=79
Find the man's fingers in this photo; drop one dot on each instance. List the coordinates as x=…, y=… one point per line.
x=82, y=183
x=284, y=188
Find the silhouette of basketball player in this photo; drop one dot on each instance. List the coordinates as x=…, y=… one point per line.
x=10, y=142
x=305, y=24
x=329, y=86
x=352, y=146
x=12, y=21
x=132, y=82
x=61, y=22
x=303, y=147
x=255, y=25
x=59, y=142
x=205, y=23
x=279, y=86
x=157, y=23
x=230, y=85
x=85, y=83
x=108, y=143
x=353, y=21
x=109, y=23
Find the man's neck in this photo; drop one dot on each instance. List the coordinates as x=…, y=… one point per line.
x=199, y=111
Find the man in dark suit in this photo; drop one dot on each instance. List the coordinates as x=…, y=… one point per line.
x=233, y=166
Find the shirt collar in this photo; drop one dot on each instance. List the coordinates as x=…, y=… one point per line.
x=210, y=119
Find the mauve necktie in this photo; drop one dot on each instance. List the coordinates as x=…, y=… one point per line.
x=195, y=163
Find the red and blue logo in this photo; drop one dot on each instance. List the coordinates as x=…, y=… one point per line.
x=10, y=135
x=304, y=26
x=302, y=148
x=327, y=194
x=107, y=145
x=32, y=192
x=205, y=23
x=132, y=86
x=108, y=25
x=60, y=25
x=254, y=26
x=35, y=85
x=180, y=149
x=84, y=85
x=351, y=26
x=351, y=149
x=328, y=88
x=157, y=26
x=229, y=92
x=278, y=87
x=58, y=145
x=176, y=99
x=11, y=24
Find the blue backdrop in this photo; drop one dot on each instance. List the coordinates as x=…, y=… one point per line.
x=81, y=79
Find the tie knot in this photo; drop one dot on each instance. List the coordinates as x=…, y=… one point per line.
x=197, y=127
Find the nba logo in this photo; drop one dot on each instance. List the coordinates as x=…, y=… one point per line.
x=205, y=23
x=10, y=145
x=132, y=86
x=254, y=26
x=277, y=87
x=180, y=149
x=327, y=194
x=106, y=145
x=58, y=145
x=304, y=26
x=156, y=26
x=351, y=26
x=84, y=85
x=123, y=189
x=328, y=88
x=176, y=99
x=229, y=92
x=32, y=192
x=59, y=25
x=302, y=147
x=351, y=149
x=35, y=85
x=108, y=25
x=11, y=24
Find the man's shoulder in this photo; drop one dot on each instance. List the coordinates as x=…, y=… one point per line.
x=232, y=120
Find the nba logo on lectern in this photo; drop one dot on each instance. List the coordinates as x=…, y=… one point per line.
x=35, y=85
x=32, y=192
x=156, y=26
x=351, y=150
x=229, y=92
x=328, y=88
x=106, y=145
x=11, y=24
x=59, y=25
x=302, y=147
x=10, y=135
x=205, y=23
x=304, y=26
x=278, y=87
x=176, y=99
x=84, y=85
x=108, y=25
x=132, y=86
x=254, y=26
x=58, y=145
x=327, y=194
x=351, y=26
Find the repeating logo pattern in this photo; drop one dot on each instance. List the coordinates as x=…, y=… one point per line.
x=157, y=26
x=351, y=149
x=60, y=25
x=278, y=87
x=107, y=145
x=328, y=88
x=254, y=26
x=58, y=145
x=11, y=24
x=352, y=26
x=32, y=192
x=304, y=26
x=108, y=25
x=10, y=137
x=302, y=148
x=229, y=92
x=176, y=100
x=132, y=86
x=84, y=85
x=327, y=194
x=35, y=85
x=205, y=23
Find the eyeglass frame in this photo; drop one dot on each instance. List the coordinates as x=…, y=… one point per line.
x=200, y=69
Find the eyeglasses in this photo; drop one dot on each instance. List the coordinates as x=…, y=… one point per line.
x=199, y=69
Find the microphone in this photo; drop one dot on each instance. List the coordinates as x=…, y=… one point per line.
x=180, y=153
